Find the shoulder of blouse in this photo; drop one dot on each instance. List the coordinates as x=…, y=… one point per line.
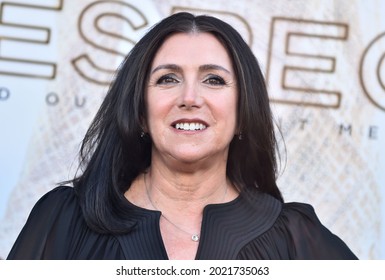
x=57, y=226
x=297, y=233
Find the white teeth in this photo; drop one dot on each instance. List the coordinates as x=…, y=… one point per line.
x=190, y=126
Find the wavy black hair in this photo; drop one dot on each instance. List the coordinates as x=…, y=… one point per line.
x=113, y=153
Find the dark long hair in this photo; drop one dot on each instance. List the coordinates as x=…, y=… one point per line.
x=113, y=154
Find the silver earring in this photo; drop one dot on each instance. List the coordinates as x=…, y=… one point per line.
x=240, y=137
x=142, y=134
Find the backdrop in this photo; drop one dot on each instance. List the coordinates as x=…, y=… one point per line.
x=324, y=62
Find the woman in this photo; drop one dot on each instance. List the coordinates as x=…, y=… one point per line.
x=179, y=163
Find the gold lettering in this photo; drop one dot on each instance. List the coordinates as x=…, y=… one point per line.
x=301, y=63
x=13, y=30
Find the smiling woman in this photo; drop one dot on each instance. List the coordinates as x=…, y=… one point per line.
x=192, y=85
x=179, y=163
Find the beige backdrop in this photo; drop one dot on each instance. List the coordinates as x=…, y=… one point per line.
x=323, y=61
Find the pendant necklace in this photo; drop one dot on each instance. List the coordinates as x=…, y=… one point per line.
x=194, y=236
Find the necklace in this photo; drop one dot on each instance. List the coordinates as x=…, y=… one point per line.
x=194, y=236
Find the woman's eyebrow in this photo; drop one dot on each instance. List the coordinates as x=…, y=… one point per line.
x=207, y=67
x=173, y=67
x=202, y=68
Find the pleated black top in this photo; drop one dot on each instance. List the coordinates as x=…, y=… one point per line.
x=255, y=226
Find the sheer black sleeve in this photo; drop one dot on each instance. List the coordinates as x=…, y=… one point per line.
x=55, y=229
x=297, y=234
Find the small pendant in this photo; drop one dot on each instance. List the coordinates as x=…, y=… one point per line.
x=195, y=237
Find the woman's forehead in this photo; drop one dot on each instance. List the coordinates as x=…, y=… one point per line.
x=192, y=48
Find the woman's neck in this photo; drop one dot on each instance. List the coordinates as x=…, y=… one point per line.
x=181, y=195
x=187, y=190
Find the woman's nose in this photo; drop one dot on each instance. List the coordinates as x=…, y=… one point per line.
x=190, y=96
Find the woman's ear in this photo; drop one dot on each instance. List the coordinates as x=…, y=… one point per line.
x=143, y=125
x=238, y=132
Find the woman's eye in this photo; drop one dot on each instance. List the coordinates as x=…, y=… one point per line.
x=167, y=79
x=215, y=81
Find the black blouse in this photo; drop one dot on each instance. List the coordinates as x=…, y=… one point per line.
x=253, y=226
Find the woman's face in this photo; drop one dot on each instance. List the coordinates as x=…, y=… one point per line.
x=191, y=100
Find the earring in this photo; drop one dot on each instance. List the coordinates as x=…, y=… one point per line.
x=240, y=137
x=142, y=134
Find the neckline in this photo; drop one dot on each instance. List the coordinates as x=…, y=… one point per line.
x=141, y=209
x=226, y=227
x=155, y=215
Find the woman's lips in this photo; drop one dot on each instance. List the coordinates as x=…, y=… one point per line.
x=189, y=125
